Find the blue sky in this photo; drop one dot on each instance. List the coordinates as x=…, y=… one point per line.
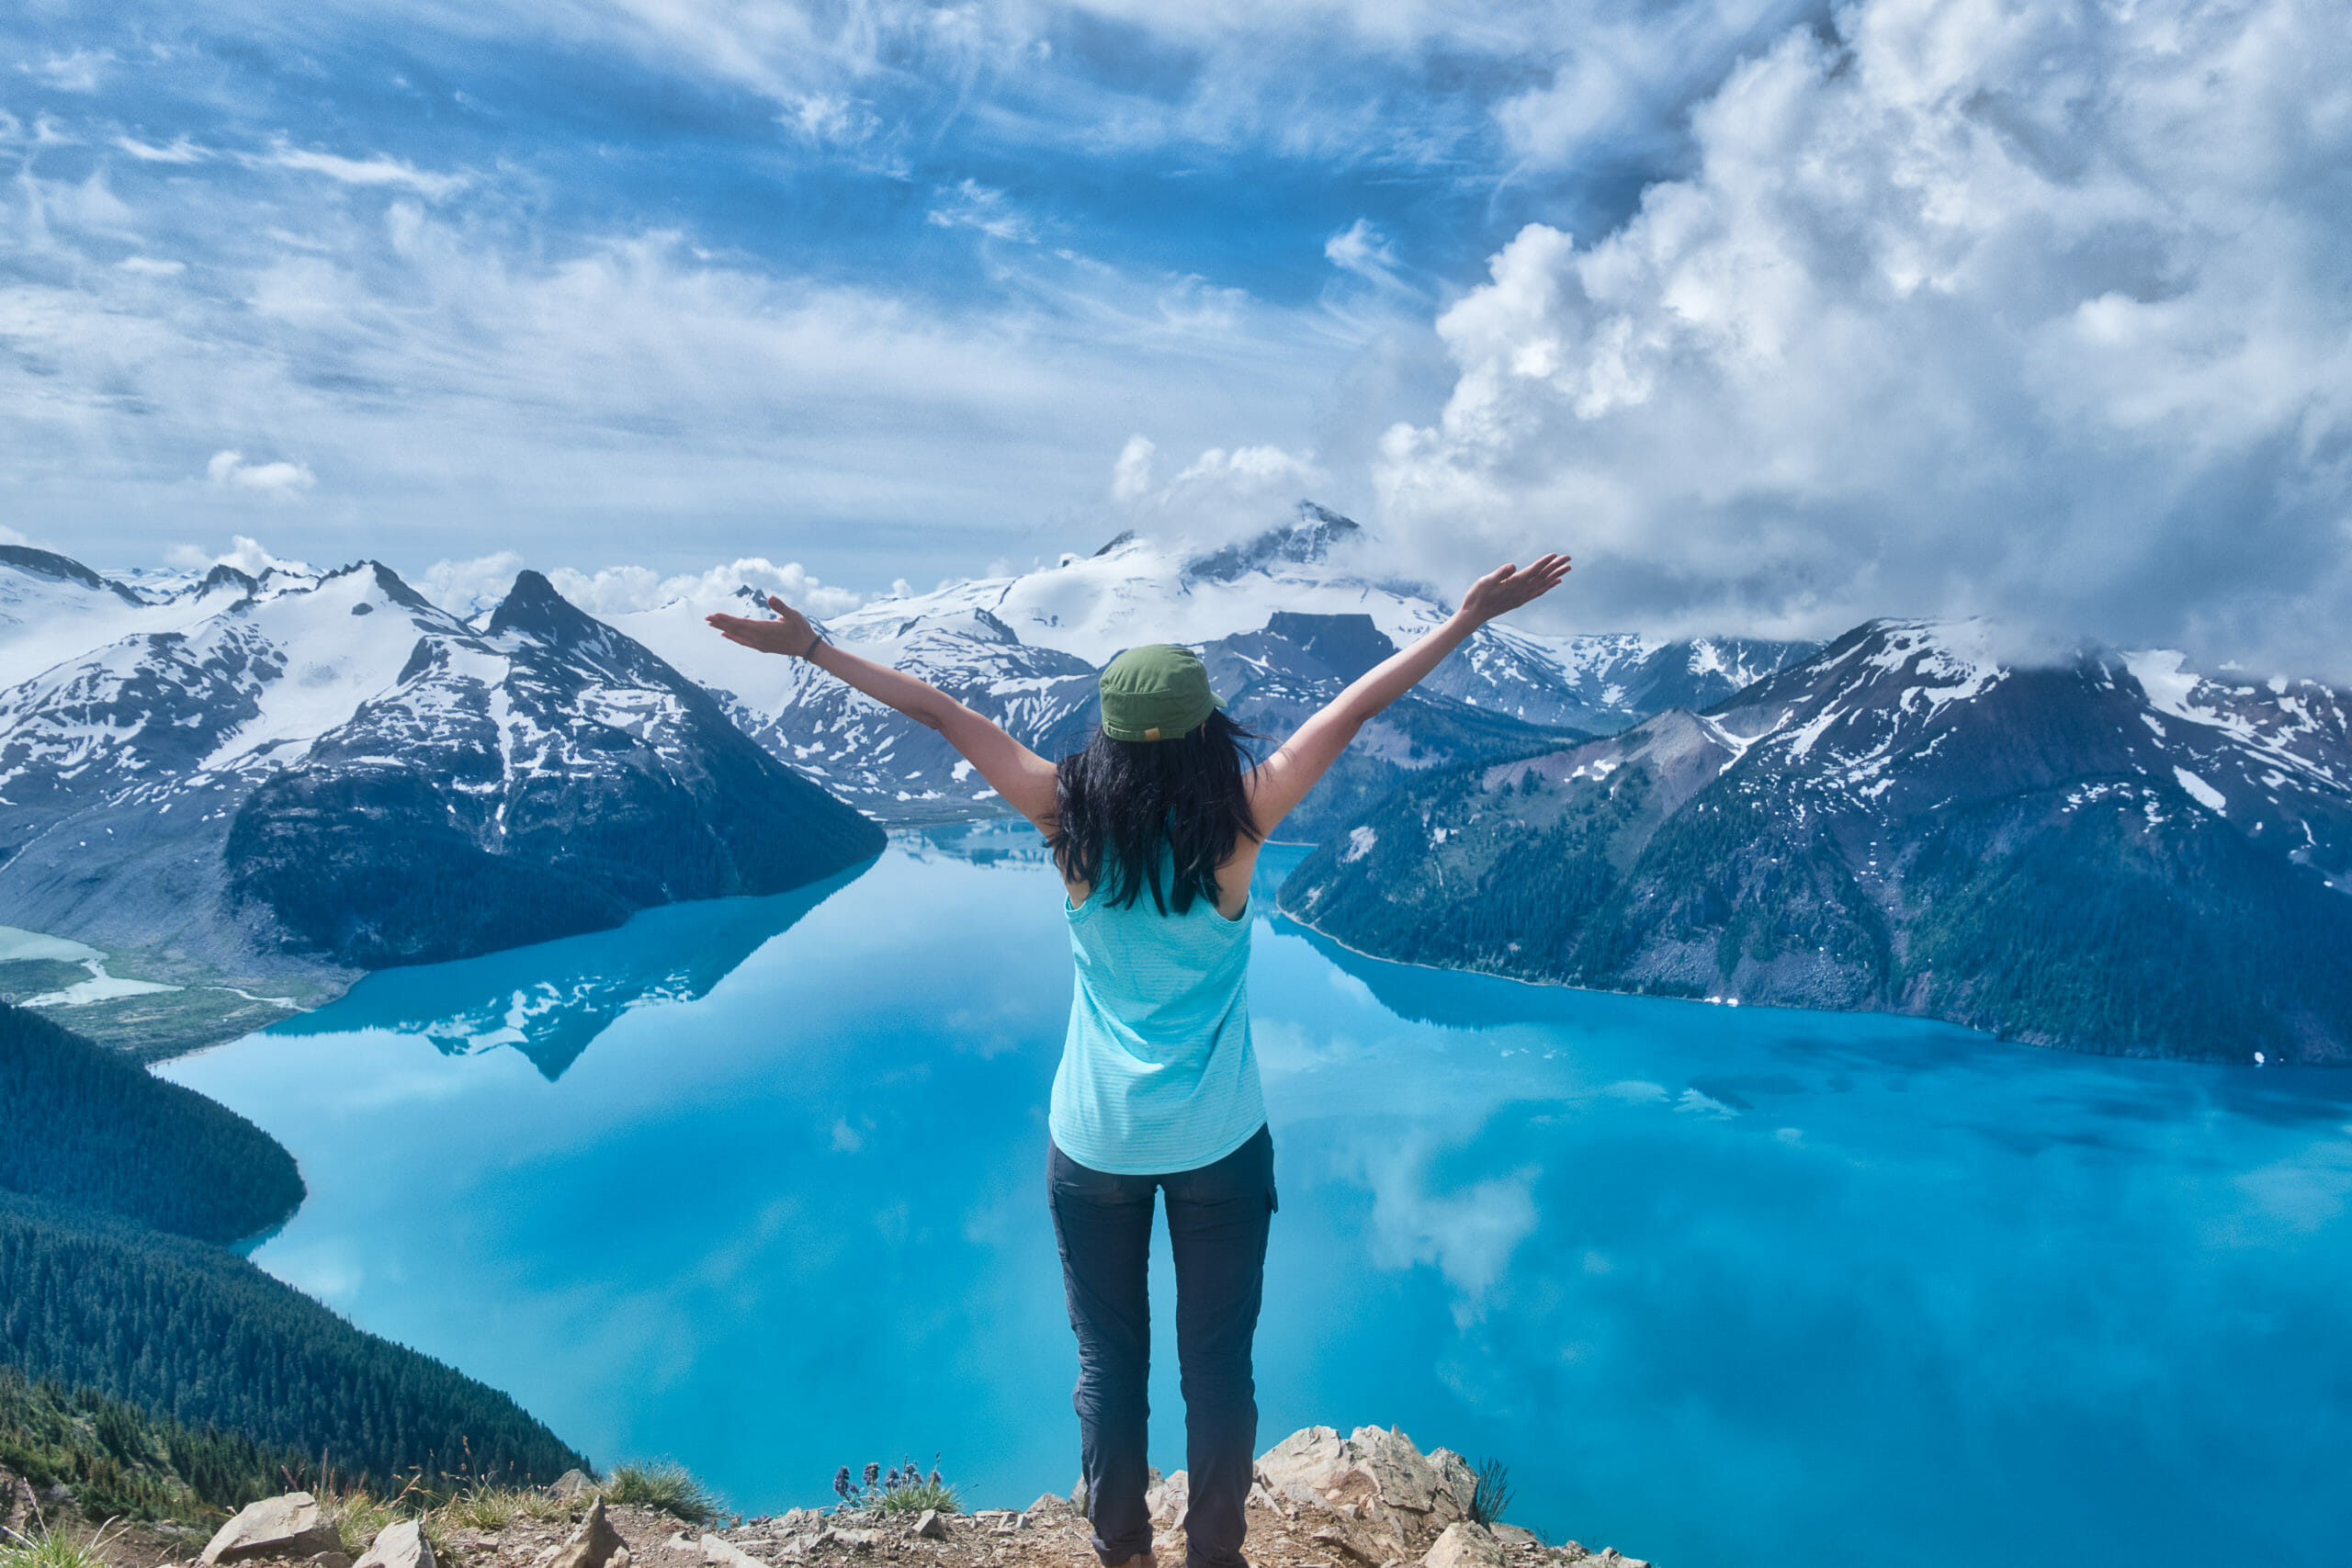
x=1778, y=315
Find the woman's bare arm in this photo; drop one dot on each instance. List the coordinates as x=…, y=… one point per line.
x=1282, y=781
x=1024, y=779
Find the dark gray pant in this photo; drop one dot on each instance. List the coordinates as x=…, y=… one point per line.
x=1217, y=1219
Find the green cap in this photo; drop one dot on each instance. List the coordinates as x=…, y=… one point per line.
x=1157, y=692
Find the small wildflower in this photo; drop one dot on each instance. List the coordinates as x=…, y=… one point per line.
x=840, y=1481
x=934, y=1475
x=873, y=1473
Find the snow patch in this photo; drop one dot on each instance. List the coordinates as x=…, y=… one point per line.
x=2205, y=794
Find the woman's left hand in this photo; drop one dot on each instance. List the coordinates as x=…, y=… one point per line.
x=790, y=633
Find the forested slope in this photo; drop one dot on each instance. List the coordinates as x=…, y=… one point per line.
x=88, y=1127
x=202, y=1337
x=121, y=1463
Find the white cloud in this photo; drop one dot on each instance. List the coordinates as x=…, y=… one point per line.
x=463, y=587
x=181, y=151
x=1363, y=249
x=1131, y=475
x=151, y=266
x=379, y=170
x=617, y=591
x=971, y=205
x=78, y=71
x=833, y=120
x=1221, y=495
x=2035, y=310
x=244, y=553
x=280, y=479
x=461, y=382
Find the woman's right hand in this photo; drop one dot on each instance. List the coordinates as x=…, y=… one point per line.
x=1506, y=588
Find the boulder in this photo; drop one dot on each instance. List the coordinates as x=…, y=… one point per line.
x=1303, y=1466
x=1514, y=1539
x=400, y=1544
x=1373, y=1474
x=572, y=1483
x=858, y=1541
x=1460, y=1481
x=288, y=1526
x=1465, y=1544
x=1167, y=1502
x=931, y=1527
x=721, y=1553
x=595, y=1544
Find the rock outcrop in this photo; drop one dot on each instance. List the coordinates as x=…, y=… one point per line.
x=595, y=1544
x=286, y=1527
x=1371, y=1499
x=400, y=1544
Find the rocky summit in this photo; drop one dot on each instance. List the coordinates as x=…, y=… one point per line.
x=1370, y=1499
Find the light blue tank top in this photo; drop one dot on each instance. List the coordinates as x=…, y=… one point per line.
x=1157, y=1073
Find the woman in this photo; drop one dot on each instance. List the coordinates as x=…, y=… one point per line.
x=1155, y=828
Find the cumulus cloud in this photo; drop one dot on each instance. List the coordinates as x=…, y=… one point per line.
x=247, y=554
x=279, y=480
x=1220, y=495
x=468, y=587
x=617, y=591
x=1131, y=475
x=465, y=587
x=2034, y=311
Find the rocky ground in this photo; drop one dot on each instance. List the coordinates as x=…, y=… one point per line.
x=1369, y=1500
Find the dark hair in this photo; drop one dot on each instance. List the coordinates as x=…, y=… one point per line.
x=1119, y=800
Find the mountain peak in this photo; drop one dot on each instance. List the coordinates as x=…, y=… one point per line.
x=534, y=609
x=1308, y=538
x=65, y=569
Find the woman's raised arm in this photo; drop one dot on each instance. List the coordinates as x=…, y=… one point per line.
x=1024, y=779
x=1282, y=781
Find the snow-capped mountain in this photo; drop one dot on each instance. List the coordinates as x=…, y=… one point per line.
x=2113, y=853
x=256, y=778
x=1024, y=649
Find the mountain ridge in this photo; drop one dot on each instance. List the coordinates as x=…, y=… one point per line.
x=286, y=783
x=1903, y=823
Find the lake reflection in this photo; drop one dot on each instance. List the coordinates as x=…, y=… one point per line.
x=761, y=1188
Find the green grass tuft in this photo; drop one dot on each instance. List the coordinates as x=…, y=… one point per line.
x=493, y=1509
x=52, y=1548
x=916, y=1497
x=666, y=1485
x=358, y=1516
x=1492, y=1495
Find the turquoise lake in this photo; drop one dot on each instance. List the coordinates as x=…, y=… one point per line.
x=758, y=1185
